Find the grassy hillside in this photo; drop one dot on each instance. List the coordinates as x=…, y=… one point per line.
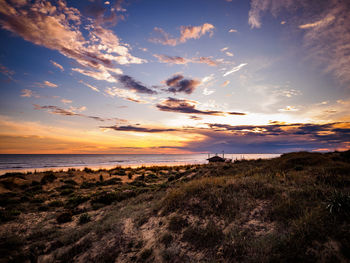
x=288, y=209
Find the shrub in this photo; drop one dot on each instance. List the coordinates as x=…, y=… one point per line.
x=207, y=237
x=339, y=204
x=8, y=215
x=55, y=203
x=145, y=254
x=49, y=177
x=64, y=217
x=166, y=239
x=88, y=170
x=86, y=185
x=177, y=223
x=84, y=218
x=108, y=198
x=70, y=182
x=76, y=200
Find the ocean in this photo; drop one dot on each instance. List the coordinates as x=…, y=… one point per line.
x=41, y=162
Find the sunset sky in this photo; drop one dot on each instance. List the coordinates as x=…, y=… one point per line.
x=156, y=76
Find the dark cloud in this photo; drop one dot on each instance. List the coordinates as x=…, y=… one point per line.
x=183, y=106
x=138, y=129
x=130, y=83
x=178, y=83
x=187, y=106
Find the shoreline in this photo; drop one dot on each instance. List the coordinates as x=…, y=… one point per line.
x=96, y=167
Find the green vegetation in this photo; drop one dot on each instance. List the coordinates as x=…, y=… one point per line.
x=294, y=208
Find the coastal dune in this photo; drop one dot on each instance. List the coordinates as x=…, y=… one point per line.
x=292, y=208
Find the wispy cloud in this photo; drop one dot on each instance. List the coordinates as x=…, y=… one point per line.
x=186, y=33
x=5, y=71
x=183, y=61
x=90, y=86
x=46, y=83
x=329, y=18
x=225, y=83
x=178, y=83
x=235, y=69
x=289, y=109
x=232, y=30
x=73, y=111
x=27, y=93
x=318, y=23
x=129, y=95
x=57, y=65
x=65, y=101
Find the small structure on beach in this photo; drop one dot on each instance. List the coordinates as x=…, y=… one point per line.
x=216, y=159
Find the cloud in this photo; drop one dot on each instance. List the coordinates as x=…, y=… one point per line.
x=183, y=61
x=225, y=83
x=275, y=138
x=186, y=33
x=186, y=106
x=27, y=93
x=130, y=128
x=289, y=109
x=50, y=84
x=178, y=83
x=57, y=65
x=318, y=23
x=171, y=59
x=207, y=92
x=57, y=27
x=73, y=111
x=232, y=30
x=326, y=39
x=195, y=32
x=47, y=83
x=235, y=69
x=229, y=54
x=90, y=86
x=65, y=101
x=224, y=49
x=129, y=95
x=5, y=71
x=130, y=83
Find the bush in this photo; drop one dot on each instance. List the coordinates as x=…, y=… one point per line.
x=70, y=182
x=339, y=204
x=64, y=217
x=8, y=215
x=166, y=239
x=86, y=185
x=49, y=177
x=108, y=198
x=88, y=170
x=145, y=254
x=84, y=218
x=76, y=200
x=55, y=203
x=177, y=223
x=207, y=237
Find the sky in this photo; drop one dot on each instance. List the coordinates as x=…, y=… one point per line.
x=166, y=77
